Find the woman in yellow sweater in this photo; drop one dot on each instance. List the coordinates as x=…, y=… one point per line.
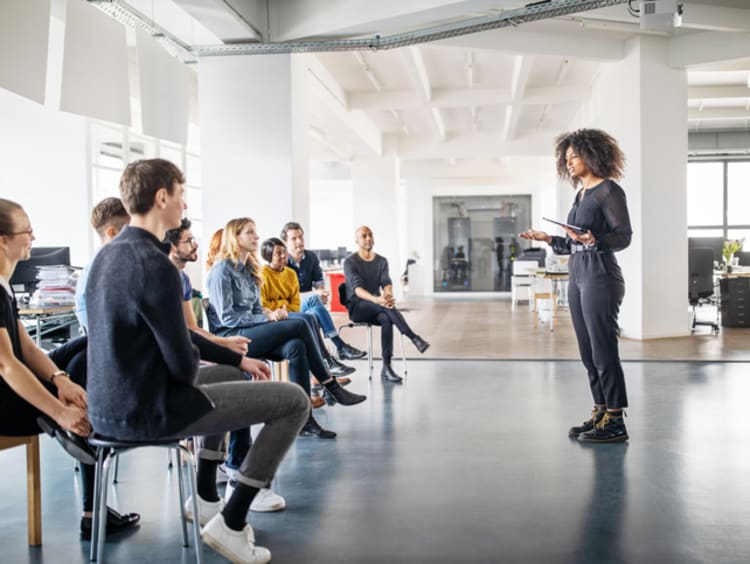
x=280, y=290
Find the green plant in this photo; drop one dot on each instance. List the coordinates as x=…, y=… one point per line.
x=731, y=246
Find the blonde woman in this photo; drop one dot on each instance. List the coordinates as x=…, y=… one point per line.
x=234, y=288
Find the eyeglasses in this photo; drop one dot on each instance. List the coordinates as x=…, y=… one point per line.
x=190, y=241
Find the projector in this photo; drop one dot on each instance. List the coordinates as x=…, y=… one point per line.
x=655, y=14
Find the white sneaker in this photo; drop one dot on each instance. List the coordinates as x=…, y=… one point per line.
x=206, y=509
x=265, y=501
x=224, y=473
x=237, y=546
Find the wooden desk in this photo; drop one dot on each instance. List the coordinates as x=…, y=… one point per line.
x=47, y=319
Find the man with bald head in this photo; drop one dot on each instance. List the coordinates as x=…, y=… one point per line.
x=369, y=298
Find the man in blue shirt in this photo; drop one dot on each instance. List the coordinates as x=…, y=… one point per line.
x=313, y=296
x=107, y=218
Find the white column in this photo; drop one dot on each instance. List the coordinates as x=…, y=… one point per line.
x=253, y=143
x=641, y=102
x=376, y=204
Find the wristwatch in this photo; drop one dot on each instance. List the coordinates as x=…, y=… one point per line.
x=56, y=374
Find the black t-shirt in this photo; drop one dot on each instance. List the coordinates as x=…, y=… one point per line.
x=9, y=322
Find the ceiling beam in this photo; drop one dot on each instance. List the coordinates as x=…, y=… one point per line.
x=707, y=47
x=715, y=18
x=480, y=145
x=329, y=92
x=225, y=21
x=515, y=40
x=718, y=114
x=464, y=97
x=521, y=71
x=717, y=92
x=416, y=64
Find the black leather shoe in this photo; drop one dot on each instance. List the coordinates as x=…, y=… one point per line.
x=335, y=368
x=420, y=343
x=76, y=446
x=313, y=429
x=348, y=352
x=115, y=523
x=589, y=424
x=342, y=396
x=389, y=375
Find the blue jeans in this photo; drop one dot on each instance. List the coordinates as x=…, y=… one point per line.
x=313, y=304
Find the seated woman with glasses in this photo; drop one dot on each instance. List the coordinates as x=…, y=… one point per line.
x=35, y=395
x=235, y=309
x=280, y=289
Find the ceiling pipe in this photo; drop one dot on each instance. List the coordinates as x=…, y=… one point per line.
x=122, y=11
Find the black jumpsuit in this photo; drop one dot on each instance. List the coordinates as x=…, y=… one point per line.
x=596, y=287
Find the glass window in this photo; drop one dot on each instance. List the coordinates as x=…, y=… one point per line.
x=738, y=193
x=705, y=193
x=171, y=153
x=705, y=232
x=106, y=183
x=193, y=169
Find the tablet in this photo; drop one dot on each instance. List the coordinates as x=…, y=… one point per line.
x=579, y=230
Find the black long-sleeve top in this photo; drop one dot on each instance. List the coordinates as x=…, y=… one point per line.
x=141, y=362
x=604, y=211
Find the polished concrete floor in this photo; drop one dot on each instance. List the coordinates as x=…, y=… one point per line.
x=468, y=462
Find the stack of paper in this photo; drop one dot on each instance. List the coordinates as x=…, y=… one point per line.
x=56, y=287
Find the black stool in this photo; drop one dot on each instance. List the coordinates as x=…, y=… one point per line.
x=109, y=450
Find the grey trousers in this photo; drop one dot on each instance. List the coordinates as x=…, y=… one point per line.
x=239, y=403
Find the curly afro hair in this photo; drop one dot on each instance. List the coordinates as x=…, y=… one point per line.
x=598, y=149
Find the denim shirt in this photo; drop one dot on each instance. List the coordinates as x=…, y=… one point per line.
x=234, y=297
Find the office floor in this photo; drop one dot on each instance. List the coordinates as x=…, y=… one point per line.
x=484, y=327
x=468, y=462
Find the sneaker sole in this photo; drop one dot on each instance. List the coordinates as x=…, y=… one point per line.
x=218, y=547
x=613, y=440
x=273, y=509
x=68, y=446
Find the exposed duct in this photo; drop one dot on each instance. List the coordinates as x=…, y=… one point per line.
x=122, y=11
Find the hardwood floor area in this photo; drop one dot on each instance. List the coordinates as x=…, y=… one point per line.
x=484, y=327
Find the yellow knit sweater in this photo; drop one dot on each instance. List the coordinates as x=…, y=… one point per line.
x=279, y=289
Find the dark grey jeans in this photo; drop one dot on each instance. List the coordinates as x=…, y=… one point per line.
x=239, y=403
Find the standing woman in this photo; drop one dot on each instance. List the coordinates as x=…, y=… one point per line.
x=590, y=159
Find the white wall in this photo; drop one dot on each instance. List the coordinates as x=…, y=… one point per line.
x=43, y=168
x=246, y=141
x=641, y=102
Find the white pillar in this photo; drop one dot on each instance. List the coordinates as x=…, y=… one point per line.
x=253, y=142
x=641, y=102
x=376, y=204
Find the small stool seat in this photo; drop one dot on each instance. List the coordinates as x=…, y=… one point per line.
x=33, y=483
x=108, y=450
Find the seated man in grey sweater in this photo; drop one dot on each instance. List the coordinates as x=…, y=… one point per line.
x=369, y=298
x=144, y=380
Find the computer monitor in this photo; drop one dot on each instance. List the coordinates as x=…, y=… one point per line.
x=25, y=272
x=716, y=244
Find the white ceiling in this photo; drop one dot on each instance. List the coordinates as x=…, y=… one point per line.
x=504, y=87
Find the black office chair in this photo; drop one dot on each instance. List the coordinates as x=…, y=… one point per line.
x=701, y=283
x=370, y=359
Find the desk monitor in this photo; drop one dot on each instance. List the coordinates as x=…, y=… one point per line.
x=25, y=272
x=325, y=255
x=744, y=258
x=716, y=244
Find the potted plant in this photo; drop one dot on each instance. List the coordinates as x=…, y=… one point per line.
x=731, y=246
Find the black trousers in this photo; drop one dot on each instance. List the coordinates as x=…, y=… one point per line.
x=19, y=416
x=291, y=339
x=595, y=292
x=362, y=311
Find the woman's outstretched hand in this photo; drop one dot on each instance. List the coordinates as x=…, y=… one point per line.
x=534, y=235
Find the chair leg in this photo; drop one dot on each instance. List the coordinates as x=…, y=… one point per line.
x=403, y=355
x=180, y=487
x=193, y=482
x=34, y=492
x=370, y=360
x=102, y=505
x=117, y=469
x=169, y=458
x=101, y=453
